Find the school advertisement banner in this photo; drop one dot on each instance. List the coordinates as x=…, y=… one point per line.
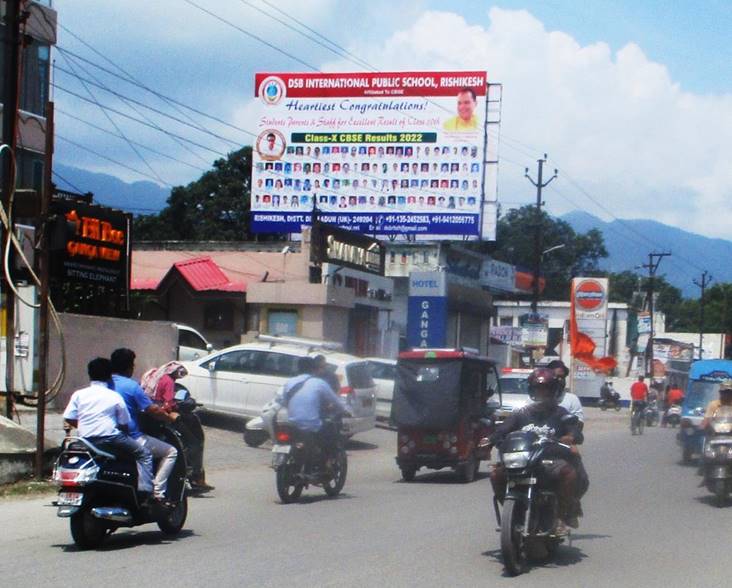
x=399, y=153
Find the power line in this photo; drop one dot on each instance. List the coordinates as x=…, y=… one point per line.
x=129, y=77
x=132, y=169
x=114, y=124
x=142, y=122
x=63, y=179
x=103, y=130
x=252, y=35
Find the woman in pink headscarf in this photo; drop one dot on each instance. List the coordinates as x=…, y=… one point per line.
x=159, y=385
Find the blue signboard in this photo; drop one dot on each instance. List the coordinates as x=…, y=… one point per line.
x=371, y=223
x=427, y=310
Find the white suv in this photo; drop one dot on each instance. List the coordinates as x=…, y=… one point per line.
x=240, y=380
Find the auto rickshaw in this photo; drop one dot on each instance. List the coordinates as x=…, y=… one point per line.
x=442, y=410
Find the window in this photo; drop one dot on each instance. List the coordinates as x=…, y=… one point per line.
x=382, y=371
x=280, y=364
x=282, y=322
x=506, y=321
x=359, y=375
x=491, y=382
x=188, y=338
x=35, y=78
x=244, y=361
x=218, y=316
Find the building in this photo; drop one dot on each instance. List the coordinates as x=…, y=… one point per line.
x=34, y=91
x=333, y=289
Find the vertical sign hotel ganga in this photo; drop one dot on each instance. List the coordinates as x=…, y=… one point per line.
x=397, y=153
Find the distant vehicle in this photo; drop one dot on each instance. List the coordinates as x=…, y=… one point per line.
x=704, y=378
x=191, y=344
x=383, y=371
x=242, y=379
x=514, y=390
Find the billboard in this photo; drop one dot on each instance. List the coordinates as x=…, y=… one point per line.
x=386, y=154
x=427, y=309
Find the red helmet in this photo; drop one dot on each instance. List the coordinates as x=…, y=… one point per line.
x=544, y=377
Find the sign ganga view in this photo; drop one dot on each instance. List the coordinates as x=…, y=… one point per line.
x=378, y=153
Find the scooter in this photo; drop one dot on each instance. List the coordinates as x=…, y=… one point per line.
x=651, y=414
x=261, y=428
x=98, y=491
x=672, y=416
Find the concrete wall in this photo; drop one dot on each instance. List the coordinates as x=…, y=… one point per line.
x=87, y=337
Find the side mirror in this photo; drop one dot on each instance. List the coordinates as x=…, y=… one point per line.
x=209, y=347
x=211, y=366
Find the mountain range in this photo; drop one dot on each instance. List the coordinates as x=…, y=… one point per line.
x=628, y=242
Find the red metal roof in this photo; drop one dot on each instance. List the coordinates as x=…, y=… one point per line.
x=202, y=274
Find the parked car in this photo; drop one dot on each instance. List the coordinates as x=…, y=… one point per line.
x=191, y=344
x=383, y=371
x=240, y=380
x=514, y=389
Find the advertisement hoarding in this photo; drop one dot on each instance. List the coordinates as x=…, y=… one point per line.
x=398, y=153
x=590, y=299
x=427, y=309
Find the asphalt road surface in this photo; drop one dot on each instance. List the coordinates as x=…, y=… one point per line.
x=647, y=523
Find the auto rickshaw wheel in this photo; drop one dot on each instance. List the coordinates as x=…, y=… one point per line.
x=408, y=473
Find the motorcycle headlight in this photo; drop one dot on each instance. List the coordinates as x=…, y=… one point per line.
x=516, y=459
x=723, y=428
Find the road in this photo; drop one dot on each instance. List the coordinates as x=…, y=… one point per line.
x=647, y=523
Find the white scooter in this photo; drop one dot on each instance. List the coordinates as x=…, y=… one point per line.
x=261, y=428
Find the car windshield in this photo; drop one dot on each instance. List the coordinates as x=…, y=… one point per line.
x=701, y=393
x=515, y=385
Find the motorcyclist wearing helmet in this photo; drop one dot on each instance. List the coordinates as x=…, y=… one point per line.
x=546, y=417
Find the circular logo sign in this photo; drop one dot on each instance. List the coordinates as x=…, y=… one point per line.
x=589, y=295
x=271, y=90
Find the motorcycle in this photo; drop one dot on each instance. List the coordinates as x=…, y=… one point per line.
x=672, y=416
x=299, y=462
x=651, y=414
x=717, y=455
x=611, y=402
x=530, y=513
x=98, y=491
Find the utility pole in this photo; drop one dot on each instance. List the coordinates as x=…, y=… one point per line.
x=654, y=259
x=10, y=100
x=44, y=276
x=540, y=185
x=705, y=280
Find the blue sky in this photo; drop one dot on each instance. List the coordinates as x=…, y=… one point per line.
x=632, y=100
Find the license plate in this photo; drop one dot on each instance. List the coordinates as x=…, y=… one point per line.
x=281, y=449
x=70, y=498
x=429, y=439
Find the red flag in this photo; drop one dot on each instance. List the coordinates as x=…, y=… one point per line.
x=583, y=347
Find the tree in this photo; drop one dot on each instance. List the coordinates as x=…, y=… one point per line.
x=213, y=208
x=580, y=254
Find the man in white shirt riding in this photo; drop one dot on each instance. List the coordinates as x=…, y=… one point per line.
x=101, y=417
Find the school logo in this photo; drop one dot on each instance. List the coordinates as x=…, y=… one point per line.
x=589, y=295
x=271, y=90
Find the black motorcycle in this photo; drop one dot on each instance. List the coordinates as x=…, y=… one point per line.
x=530, y=514
x=299, y=461
x=651, y=414
x=610, y=402
x=98, y=491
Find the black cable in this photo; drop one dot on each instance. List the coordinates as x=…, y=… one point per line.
x=137, y=120
x=133, y=79
x=63, y=179
x=114, y=124
x=103, y=130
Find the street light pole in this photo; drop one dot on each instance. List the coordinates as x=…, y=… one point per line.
x=654, y=259
x=540, y=185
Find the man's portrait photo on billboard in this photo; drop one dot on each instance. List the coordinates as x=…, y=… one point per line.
x=466, y=119
x=271, y=145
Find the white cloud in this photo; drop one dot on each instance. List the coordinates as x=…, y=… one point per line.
x=617, y=123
